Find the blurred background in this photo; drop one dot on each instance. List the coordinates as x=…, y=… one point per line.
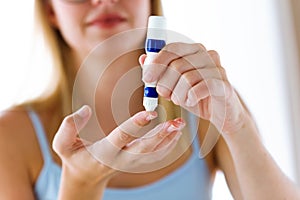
x=258, y=41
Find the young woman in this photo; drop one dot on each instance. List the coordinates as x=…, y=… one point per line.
x=127, y=163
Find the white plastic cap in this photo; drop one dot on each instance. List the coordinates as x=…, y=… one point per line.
x=150, y=104
x=157, y=28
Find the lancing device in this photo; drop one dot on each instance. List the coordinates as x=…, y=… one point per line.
x=156, y=40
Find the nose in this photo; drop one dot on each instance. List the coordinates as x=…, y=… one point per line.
x=95, y=2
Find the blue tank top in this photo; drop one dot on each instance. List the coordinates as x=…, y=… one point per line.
x=190, y=181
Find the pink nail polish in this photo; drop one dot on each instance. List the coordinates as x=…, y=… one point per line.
x=176, y=125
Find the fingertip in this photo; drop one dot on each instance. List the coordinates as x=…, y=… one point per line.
x=142, y=118
x=81, y=116
x=151, y=115
x=142, y=59
x=180, y=121
x=84, y=112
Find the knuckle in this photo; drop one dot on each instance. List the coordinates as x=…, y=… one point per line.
x=162, y=135
x=124, y=137
x=173, y=47
x=164, y=90
x=216, y=85
x=57, y=147
x=68, y=122
x=223, y=72
x=201, y=46
x=191, y=77
x=213, y=53
x=178, y=65
x=143, y=146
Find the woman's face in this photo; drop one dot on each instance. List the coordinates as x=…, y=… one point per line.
x=84, y=24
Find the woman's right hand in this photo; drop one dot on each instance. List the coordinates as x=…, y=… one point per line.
x=124, y=148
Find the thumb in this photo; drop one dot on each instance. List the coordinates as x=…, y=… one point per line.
x=66, y=138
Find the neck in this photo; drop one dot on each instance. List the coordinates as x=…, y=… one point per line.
x=112, y=88
x=119, y=91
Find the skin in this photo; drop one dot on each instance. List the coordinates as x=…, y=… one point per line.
x=190, y=65
x=73, y=20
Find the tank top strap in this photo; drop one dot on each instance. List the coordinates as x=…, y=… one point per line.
x=41, y=135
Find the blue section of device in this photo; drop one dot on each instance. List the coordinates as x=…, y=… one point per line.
x=150, y=92
x=154, y=45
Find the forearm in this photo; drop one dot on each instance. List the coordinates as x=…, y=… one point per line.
x=75, y=189
x=258, y=175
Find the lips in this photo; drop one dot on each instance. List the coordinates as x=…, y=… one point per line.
x=107, y=21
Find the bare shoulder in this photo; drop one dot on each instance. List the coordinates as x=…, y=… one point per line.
x=14, y=127
x=17, y=136
x=17, y=143
x=13, y=124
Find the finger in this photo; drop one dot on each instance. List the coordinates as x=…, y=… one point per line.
x=162, y=150
x=178, y=93
x=169, y=141
x=200, y=60
x=169, y=53
x=189, y=62
x=66, y=137
x=178, y=50
x=129, y=130
x=205, y=88
x=215, y=57
x=142, y=59
x=152, y=139
x=167, y=83
x=169, y=79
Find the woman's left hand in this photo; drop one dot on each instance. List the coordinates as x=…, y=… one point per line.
x=193, y=78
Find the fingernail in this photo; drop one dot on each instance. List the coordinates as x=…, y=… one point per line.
x=84, y=111
x=179, y=121
x=151, y=116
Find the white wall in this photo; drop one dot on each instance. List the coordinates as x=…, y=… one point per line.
x=19, y=72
